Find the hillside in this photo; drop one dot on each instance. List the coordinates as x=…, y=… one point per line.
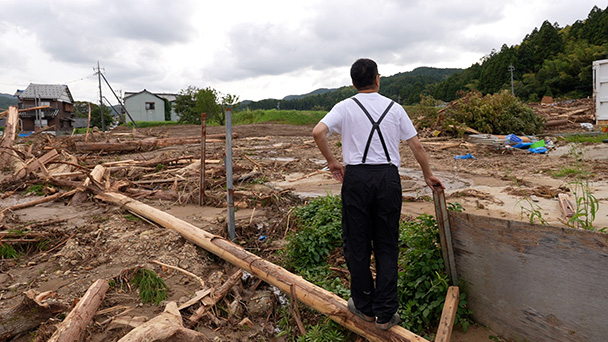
x=7, y=100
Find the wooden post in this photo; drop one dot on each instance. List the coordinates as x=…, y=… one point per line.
x=229, y=180
x=445, y=234
x=201, y=196
x=10, y=131
x=448, y=316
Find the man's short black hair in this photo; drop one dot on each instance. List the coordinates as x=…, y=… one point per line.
x=363, y=73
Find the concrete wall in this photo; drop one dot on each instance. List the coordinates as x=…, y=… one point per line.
x=136, y=105
x=531, y=282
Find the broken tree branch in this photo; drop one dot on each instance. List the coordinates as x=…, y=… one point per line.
x=73, y=326
x=200, y=280
x=165, y=327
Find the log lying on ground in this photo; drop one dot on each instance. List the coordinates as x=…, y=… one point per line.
x=165, y=327
x=49, y=198
x=73, y=326
x=322, y=300
x=147, y=144
x=27, y=315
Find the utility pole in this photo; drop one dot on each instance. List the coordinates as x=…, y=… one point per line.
x=511, y=68
x=101, y=111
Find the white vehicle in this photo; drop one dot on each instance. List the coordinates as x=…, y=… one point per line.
x=600, y=91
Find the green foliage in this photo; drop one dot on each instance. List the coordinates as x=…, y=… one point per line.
x=549, y=60
x=586, y=204
x=152, y=288
x=192, y=102
x=320, y=232
x=501, y=113
x=329, y=332
x=423, y=283
x=81, y=110
x=8, y=252
x=35, y=189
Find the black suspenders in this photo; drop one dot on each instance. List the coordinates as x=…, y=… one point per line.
x=375, y=127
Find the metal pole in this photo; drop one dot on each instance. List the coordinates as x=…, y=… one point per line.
x=201, y=195
x=228, y=165
x=103, y=123
x=511, y=68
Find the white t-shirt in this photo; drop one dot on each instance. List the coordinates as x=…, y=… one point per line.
x=348, y=119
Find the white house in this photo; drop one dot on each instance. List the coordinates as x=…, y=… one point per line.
x=147, y=106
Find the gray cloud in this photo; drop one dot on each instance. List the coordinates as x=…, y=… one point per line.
x=397, y=32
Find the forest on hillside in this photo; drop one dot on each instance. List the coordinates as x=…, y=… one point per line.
x=550, y=61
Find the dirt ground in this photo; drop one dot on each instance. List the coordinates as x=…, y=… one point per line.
x=278, y=167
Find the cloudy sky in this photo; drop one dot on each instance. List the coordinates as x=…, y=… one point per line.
x=252, y=49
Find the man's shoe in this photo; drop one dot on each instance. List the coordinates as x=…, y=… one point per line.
x=353, y=309
x=393, y=321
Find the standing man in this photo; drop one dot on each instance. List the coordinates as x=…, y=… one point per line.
x=371, y=126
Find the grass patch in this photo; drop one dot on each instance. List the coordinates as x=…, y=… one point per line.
x=585, y=138
x=291, y=117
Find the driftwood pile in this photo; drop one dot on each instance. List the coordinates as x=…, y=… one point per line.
x=174, y=179
x=566, y=113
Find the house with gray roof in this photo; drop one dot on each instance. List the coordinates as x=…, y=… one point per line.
x=148, y=106
x=60, y=113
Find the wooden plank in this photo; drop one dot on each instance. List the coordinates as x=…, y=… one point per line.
x=448, y=315
x=533, y=282
x=445, y=235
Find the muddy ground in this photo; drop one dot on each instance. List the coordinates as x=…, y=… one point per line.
x=282, y=167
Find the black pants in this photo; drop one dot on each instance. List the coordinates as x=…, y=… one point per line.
x=371, y=209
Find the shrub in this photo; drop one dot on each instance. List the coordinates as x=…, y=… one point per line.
x=500, y=113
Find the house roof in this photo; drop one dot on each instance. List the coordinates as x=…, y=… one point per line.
x=59, y=92
x=167, y=96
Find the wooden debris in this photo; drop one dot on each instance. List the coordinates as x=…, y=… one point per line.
x=34, y=309
x=74, y=325
x=147, y=144
x=216, y=295
x=165, y=327
x=7, y=154
x=322, y=300
x=448, y=316
x=566, y=206
x=37, y=164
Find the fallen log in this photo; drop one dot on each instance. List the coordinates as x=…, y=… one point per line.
x=165, y=327
x=73, y=326
x=147, y=144
x=32, y=311
x=318, y=298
